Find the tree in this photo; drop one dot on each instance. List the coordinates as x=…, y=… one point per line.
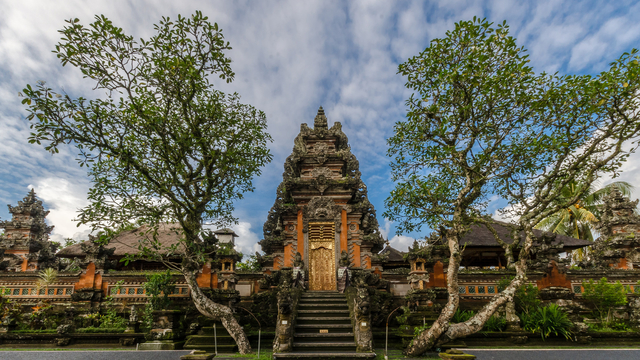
x=164, y=146
x=481, y=123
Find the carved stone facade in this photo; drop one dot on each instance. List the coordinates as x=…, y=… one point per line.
x=321, y=185
x=619, y=243
x=25, y=245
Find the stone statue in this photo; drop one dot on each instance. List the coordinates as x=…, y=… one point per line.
x=133, y=315
x=343, y=272
x=298, y=274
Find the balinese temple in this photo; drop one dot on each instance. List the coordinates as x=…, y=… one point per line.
x=320, y=224
x=321, y=208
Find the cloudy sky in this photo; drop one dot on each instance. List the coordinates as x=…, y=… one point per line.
x=290, y=57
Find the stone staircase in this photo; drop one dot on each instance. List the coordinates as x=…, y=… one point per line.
x=323, y=329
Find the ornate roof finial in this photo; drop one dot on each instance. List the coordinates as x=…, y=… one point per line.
x=320, y=122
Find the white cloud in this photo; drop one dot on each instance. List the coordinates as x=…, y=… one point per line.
x=247, y=240
x=291, y=57
x=63, y=199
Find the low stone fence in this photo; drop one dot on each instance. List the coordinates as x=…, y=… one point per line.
x=99, y=339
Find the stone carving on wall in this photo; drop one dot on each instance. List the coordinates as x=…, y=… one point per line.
x=321, y=176
x=619, y=241
x=312, y=147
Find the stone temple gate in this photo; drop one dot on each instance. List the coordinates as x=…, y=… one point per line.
x=321, y=208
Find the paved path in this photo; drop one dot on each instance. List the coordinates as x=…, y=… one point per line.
x=93, y=355
x=555, y=354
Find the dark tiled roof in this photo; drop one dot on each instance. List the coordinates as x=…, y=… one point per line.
x=127, y=241
x=394, y=255
x=480, y=236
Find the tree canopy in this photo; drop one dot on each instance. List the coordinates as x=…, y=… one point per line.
x=164, y=145
x=481, y=123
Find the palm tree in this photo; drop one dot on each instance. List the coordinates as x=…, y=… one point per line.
x=579, y=220
x=46, y=277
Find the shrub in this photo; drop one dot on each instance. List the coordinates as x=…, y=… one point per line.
x=495, y=323
x=94, y=330
x=604, y=296
x=158, y=287
x=546, y=321
x=526, y=297
x=462, y=316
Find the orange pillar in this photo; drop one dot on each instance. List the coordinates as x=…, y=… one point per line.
x=300, y=234
x=87, y=279
x=343, y=232
x=288, y=249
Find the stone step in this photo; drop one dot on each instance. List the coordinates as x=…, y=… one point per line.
x=322, y=301
x=323, y=326
x=330, y=311
x=321, y=306
x=309, y=336
x=324, y=318
x=324, y=346
x=323, y=295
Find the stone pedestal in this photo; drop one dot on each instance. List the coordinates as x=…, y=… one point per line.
x=166, y=334
x=132, y=327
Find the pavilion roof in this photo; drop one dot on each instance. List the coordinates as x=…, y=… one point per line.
x=127, y=241
x=480, y=236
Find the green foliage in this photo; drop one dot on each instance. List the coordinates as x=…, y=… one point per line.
x=526, y=296
x=159, y=287
x=604, y=296
x=461, y=316
x=42, y=317
x=402, y=319
x=46, y=278
x=29, y=331
x=97, y=330
x=495, y=323
x=147, y=317
x=419, y=329
x=546, y=321
x=251, y=264
x=166, y=144
x=612, y=326
x=10, y=310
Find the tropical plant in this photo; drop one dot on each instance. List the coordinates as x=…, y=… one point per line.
x=579, y=220
x=604, y=296
x=546, y=321
x=46, y=278
x=495, y=323
x=461, y=316
x=165, y=146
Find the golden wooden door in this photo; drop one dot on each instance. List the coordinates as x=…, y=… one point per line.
x=322, y=263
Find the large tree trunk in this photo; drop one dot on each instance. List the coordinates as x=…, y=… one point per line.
x=441, y=332
x=216, y=311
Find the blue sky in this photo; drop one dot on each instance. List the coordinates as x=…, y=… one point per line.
x=290, y=57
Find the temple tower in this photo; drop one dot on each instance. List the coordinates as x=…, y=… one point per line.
x=321, y=208
x=25, y=241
